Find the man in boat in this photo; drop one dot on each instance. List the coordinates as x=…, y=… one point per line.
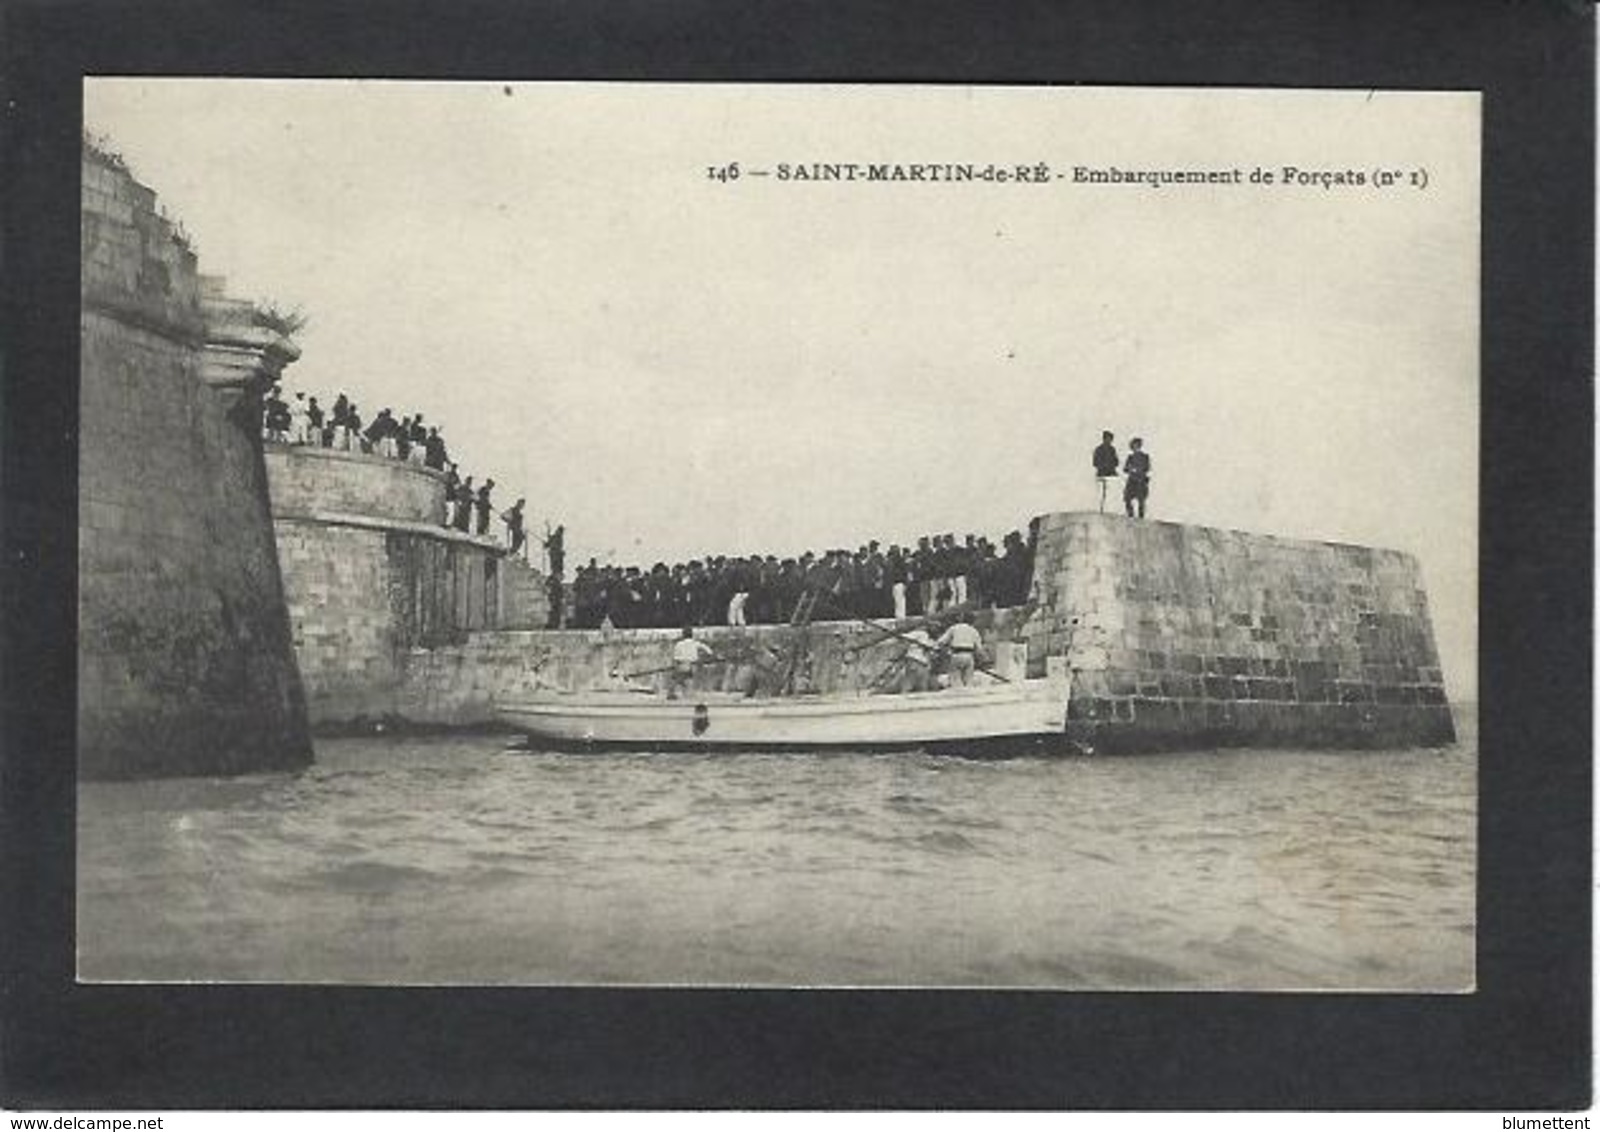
x=687, y=655
x=916, y=664
x=963, y=641
x=757, y=672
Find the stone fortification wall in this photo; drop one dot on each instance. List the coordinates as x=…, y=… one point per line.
x=370, y=575
x=184, y=658
x=1182, y=636
x=1178, y=637
x=351, y=483
x=457, y=685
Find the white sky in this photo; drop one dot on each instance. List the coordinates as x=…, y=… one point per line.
x=673, y=366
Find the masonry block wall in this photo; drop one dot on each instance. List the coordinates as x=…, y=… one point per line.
x=354, y=483
x=1182, y=637
x=370, y=575
x=185, y=665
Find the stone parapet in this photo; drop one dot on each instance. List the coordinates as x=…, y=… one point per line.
x=368, y=522
x=306, y=479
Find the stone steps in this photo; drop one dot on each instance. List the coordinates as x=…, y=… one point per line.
x=524, y=598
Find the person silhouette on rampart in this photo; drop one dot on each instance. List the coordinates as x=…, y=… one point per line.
x=1105, y=465
x=1137, y=470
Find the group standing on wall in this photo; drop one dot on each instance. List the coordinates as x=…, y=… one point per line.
x=303, y=421
x=1135, y=470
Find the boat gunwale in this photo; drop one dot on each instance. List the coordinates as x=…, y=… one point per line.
x=642, y=705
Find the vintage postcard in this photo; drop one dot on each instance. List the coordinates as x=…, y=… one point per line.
x=774, y=535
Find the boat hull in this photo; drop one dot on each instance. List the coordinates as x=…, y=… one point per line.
x=1019, y=710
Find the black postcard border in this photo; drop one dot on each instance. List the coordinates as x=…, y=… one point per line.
x=1522, y=1041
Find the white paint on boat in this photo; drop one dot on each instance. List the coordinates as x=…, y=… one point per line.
x=1013, y=708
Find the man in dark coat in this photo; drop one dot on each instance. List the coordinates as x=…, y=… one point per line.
x=555, y=548
x=514, y=526
x=316, y=421
x=433, y=444
x=418, y=440
x=1137, y=469
x=1105, y=465
x=339, y=424
x=484, y=508
x=352, y=422
x=275, y=416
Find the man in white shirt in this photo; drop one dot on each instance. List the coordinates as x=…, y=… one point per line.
x=963, y=641
x=687, y=655
x=917, y=663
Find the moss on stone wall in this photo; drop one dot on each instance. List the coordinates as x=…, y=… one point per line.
x=184, y=661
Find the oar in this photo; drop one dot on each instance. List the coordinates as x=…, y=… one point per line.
x=1024, y=611
x=716, y=658
x=899, y=635
x=918, y=621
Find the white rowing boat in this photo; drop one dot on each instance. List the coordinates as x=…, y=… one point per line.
x=995, y=710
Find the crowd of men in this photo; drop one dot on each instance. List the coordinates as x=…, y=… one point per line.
x=301, y=420
x=937, y=574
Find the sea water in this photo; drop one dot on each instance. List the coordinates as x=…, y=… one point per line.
x=466, y=860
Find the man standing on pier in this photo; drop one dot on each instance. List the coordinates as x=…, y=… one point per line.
x=1137, y=468
x=315, y=421
x=485, y=509
x=1105, y=465
x=515, y=531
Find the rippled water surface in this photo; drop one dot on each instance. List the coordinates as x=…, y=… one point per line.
x=460, y=860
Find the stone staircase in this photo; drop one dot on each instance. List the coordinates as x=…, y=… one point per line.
x=524, y=599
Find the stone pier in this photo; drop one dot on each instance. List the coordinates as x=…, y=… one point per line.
x=1177, y=637
x=1182, y=636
